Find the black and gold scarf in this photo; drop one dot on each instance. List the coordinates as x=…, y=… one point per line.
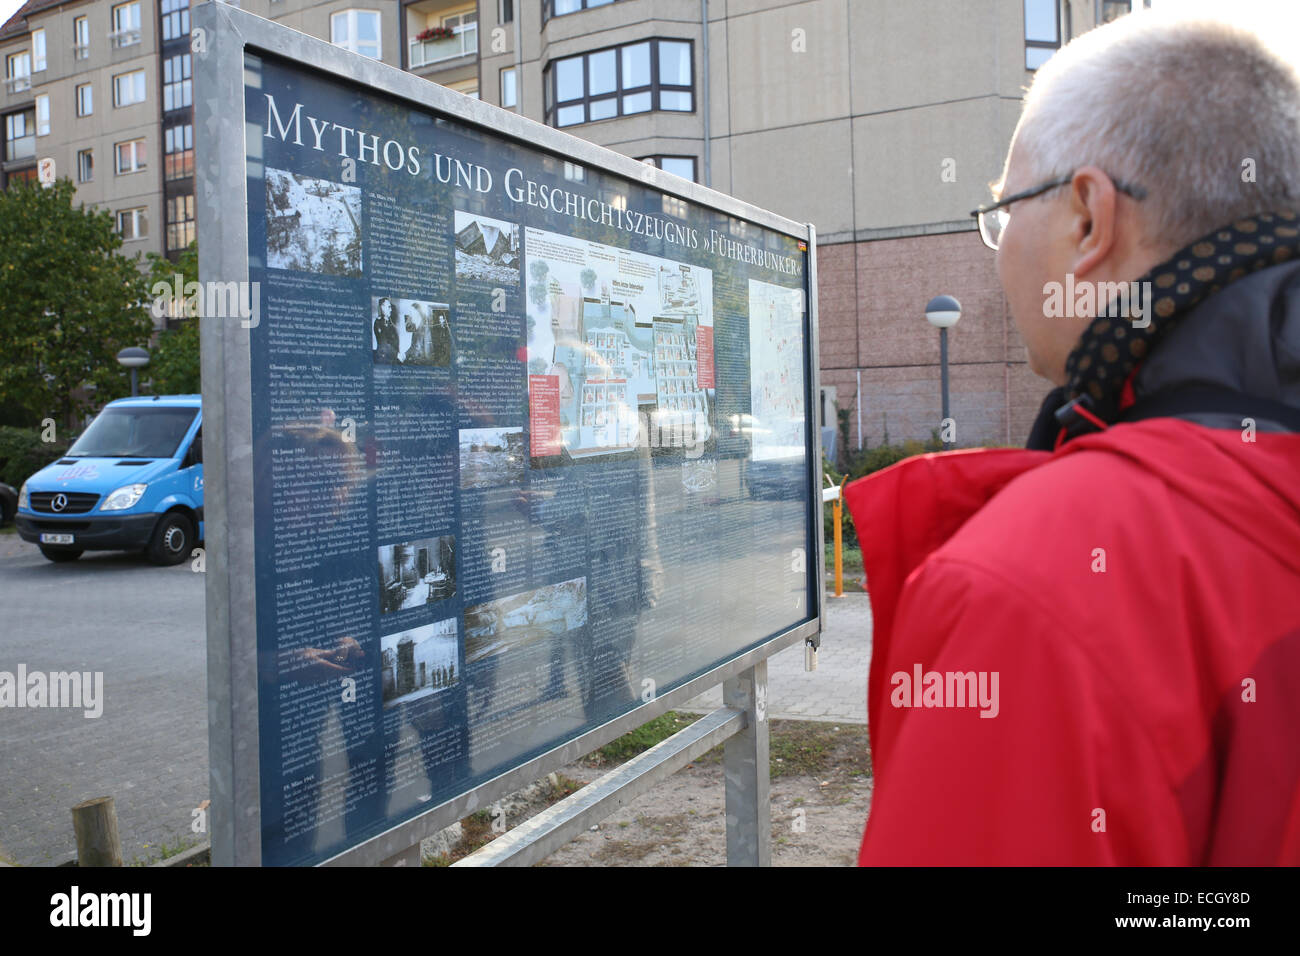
x=1113, y=345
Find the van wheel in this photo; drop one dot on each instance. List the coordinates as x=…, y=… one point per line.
x=171, y=540
x=60, y=555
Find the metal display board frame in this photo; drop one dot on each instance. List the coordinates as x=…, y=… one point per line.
x=221, y=37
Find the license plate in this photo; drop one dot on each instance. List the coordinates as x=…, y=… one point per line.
x=56, y=539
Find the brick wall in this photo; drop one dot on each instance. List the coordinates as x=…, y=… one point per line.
x=871, y=304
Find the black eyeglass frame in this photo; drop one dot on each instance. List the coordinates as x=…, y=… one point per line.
x=1136, y=192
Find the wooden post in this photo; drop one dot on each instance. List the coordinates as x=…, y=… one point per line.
x=95, y=824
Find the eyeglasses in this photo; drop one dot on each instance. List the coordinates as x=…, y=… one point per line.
x=993, y=218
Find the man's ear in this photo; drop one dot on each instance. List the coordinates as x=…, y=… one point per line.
x=1093, y=218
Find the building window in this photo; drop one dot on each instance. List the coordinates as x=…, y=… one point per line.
x=81, y=38
x=558, y=8
x=455, y=35
x=128, y=88
x=126, y=24
x=178, y=151
x=20, y=135
x=1114, y=9
x=175, y=19
x=133, y=223
x=43, y=115
x=506, y=11
x=130, y=156
x=465, y=88
x=358, y=31
x=180, y=221
x=18, y=72
x=85, y=165
x=620, y=81
x=85, y=99
x=178, y=92
x=509, y=88
x=683, y=166
x=38, y=50
x=1042, y=32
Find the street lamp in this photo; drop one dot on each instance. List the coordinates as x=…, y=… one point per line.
x=942, y=312
x=133, y=358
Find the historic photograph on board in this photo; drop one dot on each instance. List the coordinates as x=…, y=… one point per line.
x=416, y=573
x=418, y=662
x=486, y=249
x=312, y=225
x=516, y=621
x=491, y=456
x=410, y=332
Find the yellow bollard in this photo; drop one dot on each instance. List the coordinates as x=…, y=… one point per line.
x=839, y=546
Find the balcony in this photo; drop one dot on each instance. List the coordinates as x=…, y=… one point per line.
x=81, y=51
x=463, y=42
x=18, y=84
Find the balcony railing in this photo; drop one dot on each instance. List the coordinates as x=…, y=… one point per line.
x=81, y=51
x=121, y=38
x=463, y=43
x=19, y=83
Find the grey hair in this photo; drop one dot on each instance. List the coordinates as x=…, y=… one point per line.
x=1191, y=110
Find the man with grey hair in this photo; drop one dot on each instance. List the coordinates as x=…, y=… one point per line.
x=1122, y=599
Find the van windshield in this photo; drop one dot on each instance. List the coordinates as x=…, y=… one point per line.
x=134, y=432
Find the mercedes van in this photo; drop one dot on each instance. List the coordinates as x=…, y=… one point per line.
x=133, y=481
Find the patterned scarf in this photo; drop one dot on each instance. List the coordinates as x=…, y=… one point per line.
x=1112, y=347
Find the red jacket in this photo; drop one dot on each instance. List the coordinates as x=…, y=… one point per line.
x=1147, y=713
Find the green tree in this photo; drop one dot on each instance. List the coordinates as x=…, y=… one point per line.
x=69, y=301
x=174, y=363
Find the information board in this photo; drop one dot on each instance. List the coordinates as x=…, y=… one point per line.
x=531, y=445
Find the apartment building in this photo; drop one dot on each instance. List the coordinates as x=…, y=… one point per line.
x=879, y=121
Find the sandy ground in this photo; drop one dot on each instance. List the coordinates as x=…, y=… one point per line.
x=821, y=791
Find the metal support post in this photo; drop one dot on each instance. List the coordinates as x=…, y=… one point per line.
x=745, y=763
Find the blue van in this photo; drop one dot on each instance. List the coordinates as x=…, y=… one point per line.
x=133, y=481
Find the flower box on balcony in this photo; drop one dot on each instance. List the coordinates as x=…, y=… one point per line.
x=436, y=33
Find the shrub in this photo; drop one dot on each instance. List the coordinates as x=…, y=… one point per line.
x=22, y=453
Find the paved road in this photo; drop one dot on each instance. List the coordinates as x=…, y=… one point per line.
x=837, y=690
x=142, y=627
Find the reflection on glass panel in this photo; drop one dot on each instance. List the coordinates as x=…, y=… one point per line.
x=636, y=103
x=368, y=26
x=604, y=109
x=1040, y=20
x=1036, y=56
x=602, y=73
x=567, y=6
x=636, y=66
x=568, y=79
x=674, y=63
x=676, y=100
x=568, y=115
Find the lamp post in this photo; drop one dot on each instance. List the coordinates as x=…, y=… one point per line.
x=133, y=358
x=942, y=312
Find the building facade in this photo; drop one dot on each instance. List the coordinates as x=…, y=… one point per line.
x=880, y=122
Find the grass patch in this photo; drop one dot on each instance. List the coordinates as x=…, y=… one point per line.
x=476, y=829
x=640, y=740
